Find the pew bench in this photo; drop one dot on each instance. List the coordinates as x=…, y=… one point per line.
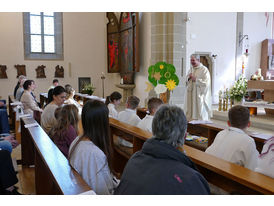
x=228, y=176
x=53, y=173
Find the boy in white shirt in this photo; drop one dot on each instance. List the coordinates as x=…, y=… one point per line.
x=129, y=116
x=153, y=105
x=233, y=144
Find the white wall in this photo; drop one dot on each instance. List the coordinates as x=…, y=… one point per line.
x=257, y=30
x=216, y=33
x=84, y=47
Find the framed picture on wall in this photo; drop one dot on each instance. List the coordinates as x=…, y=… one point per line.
x=82, y=81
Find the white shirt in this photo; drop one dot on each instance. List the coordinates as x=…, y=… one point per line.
x=266, y=159
x=235, y=146
x=128, y=116
x=91, y=163
x=72, y=101
x=146, y=123
x=112, y=111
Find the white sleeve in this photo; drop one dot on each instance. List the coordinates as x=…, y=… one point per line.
x=252, y=156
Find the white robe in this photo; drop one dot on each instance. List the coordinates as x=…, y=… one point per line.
x=146, y=123
x=235, y=146
x=266, y=159
x=128, y=116
x=198, y=102
x=112, y=111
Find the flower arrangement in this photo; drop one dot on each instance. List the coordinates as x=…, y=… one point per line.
x=88, y=89
x=163, y=77
x=238, y=90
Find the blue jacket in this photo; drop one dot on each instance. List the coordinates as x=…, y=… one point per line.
x=160, y=169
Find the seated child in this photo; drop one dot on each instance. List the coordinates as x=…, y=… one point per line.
x=146, y=122
x=233, y=144
x=129, y=116
x=112, y=101
x=66, y=129
x=266, y=159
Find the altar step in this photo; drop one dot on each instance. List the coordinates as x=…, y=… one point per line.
x=260, y=123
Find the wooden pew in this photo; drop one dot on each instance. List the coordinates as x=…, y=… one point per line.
x=12, y=114
x=211, y=130
x=226, y=175
x=53, y=173
x=43, y=99
x=208, y=130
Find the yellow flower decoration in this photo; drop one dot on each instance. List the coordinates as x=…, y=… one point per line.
x=170, y=84
x=161, y=66
x=149, y=87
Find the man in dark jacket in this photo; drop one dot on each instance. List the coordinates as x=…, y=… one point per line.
x=160, y=168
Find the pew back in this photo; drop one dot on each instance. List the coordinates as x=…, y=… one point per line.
x=226, y=175
x=53, y=173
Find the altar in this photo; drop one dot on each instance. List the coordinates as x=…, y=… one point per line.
x=268, y=87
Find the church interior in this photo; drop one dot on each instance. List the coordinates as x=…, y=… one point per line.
x=231, y=45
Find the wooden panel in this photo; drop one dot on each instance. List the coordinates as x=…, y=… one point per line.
x=229, y=176
x=53, y=172
x=27, y=147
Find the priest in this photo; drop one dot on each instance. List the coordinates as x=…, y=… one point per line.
x=198, y=101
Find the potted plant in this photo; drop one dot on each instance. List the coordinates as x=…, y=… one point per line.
x=88, y=89
x=238, y=90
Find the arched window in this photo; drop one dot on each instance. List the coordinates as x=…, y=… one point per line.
x=43, y=35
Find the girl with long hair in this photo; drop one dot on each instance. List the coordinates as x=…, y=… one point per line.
x=66, y=129
x=90, y=154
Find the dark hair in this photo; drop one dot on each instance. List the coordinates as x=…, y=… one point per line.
x=112, y=97
x=27, y=84
x=133, y=102
x=239, y=116
x=55, y=80
x=58, y=90
x=170, y=125
x=66, y=116
x=50, y=96
x=96, y=128
x=154, y=103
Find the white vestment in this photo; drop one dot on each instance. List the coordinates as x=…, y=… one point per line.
x=128, y=116
x=266, y=159
x=235, y=146
x=146, y=123
x=198, y=102
x=112, y=111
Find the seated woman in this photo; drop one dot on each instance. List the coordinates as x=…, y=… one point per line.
x=27, y=98
x=90, y=153
x=266, y=159
x=112, y=101
x=7, y=175
x=66, y=129
x=48, y=119
x=69, y=99
x=20, y=90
